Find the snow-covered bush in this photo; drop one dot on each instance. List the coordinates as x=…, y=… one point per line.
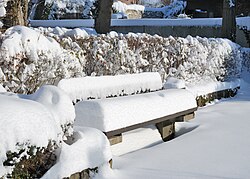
x=87, y=149
x=31, y=127
x=28, y=60
x=59, y=8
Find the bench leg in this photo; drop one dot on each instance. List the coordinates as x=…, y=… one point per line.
x=189, y=117
x=115, y=139
x=185, y=118
x=166, y=129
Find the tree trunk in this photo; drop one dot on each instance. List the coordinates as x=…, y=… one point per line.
x=16, y=13
x=229, y=20
x=103, y=18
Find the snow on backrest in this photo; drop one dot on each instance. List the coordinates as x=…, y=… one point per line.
x=109, y=86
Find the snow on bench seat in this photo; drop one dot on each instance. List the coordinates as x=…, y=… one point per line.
x=108, y=86
x=115, y=113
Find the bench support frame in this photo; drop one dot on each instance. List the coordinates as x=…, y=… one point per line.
x=165, y=125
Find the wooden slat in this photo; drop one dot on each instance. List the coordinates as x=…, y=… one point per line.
x=171, y=118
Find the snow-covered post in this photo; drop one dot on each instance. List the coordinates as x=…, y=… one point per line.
x=228, y=20
x=103, y=16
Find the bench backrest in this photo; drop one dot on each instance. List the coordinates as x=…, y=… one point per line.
x=110, y=86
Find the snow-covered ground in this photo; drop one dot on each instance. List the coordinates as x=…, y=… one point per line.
x=213, y=145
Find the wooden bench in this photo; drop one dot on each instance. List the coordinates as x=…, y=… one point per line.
x=130, y=105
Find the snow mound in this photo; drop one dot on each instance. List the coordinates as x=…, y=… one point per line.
x=106, y=86
x=115, y=113
x=89, y=149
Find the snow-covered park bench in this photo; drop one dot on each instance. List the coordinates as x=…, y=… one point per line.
x=117, y=104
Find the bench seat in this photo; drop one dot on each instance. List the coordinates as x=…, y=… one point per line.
x=113, y=114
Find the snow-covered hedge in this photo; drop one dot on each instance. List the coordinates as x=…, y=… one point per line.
x=31, y=124
x=31, y=58
x=190, y=59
